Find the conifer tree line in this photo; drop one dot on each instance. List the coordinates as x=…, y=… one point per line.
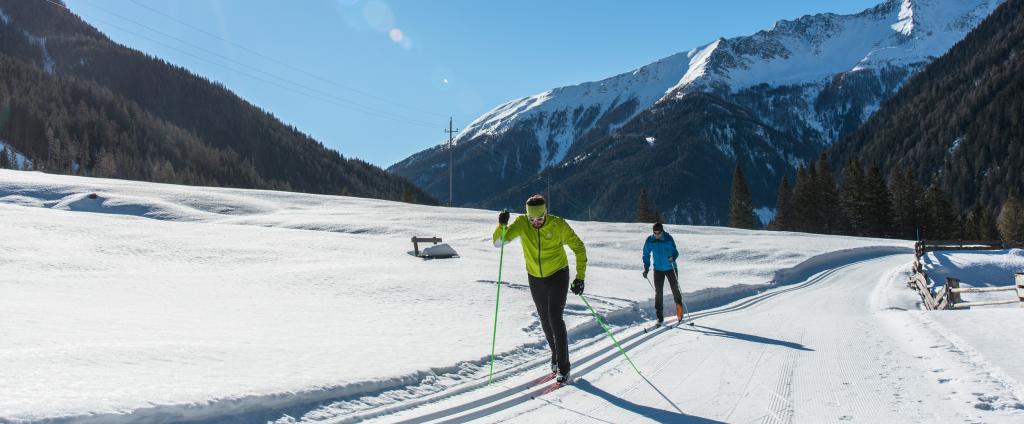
x=958, y=122
x=644, y=211
x=741, y=205
x=866, y=203
x=87, y=106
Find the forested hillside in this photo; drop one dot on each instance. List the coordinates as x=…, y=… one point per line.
x=959, y=123
x=940, y=160
x=72, y=101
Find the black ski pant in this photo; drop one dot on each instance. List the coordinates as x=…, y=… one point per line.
x=549, y=295
x=659, y=285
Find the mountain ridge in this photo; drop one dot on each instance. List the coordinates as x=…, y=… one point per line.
x=102, y=109
x=859, y=60
x=957, y=123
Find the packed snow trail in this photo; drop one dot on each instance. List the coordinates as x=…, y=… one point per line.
x=838, y=347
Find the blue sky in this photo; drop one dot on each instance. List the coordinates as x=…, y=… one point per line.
x=377, y=79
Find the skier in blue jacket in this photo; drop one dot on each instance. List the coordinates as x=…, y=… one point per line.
x=662, y=247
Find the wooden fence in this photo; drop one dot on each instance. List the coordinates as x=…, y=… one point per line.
x=949, y=295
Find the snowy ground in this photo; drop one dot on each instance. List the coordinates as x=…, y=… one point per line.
x=984, y=268
x=843, y=347
x=20, y=160
x=156, y=303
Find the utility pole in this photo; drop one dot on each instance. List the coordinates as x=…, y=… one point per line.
x=451, y=161
x=547, y=180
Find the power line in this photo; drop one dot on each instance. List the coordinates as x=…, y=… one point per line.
x=317, y=94
x=286, y=64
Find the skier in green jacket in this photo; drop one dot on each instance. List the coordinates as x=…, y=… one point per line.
x=547, y=266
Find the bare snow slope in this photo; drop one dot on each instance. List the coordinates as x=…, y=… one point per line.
x=154, y=302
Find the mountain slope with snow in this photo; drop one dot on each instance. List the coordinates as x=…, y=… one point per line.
x=956, y=124
x=813, y=79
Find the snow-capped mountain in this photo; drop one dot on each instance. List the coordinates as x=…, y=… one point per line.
x=815, y=48
x=562, y=115
x=813, y=79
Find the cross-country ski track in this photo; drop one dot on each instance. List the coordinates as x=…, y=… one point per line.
x=837, y=347
x=130, y=302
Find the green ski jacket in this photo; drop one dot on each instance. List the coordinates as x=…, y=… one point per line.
x=542, y=246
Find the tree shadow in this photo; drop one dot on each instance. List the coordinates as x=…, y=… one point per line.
x=710, y=331
x=658, y=415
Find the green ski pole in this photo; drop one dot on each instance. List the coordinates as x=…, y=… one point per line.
x=609, y=333
x=497, y=298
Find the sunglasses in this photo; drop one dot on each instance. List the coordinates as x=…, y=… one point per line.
x=537, y=219
x=657, y=231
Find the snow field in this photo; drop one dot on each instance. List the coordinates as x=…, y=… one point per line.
x=979, y=268
x=171, y=302
x=848, y=345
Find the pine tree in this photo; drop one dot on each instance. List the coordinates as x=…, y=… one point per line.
x=644, y=212
x=1011, y=220
x=827, y=212
x=985, y=224
x=783, y=207
x=878, y=211
x=803, y=197
x=4, y=159
x=907, y=201
x=853, y=198
x=940, y=221
x=741, y=206
x=54, y=155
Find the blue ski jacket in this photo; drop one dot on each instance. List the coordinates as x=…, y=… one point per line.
x=662, y=250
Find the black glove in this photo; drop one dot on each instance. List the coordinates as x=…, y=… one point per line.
x=577, y=287
x=645, y=272
x=503, y=217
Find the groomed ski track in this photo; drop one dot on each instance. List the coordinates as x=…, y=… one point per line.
x=635, y=336
x=848, y=356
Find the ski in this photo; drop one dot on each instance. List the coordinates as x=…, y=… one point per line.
x=653, y=327
x=552, y=387
x=546, y=378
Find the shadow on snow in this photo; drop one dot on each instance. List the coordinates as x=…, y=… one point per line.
x=710, y=331
x=658, y=415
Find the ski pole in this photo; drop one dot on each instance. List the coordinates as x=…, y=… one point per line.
x=497, y=298
x=686, y=311
x=609, y=333
x=652, y=288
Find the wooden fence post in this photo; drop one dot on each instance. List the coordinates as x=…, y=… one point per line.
x=1020, y=288
x=954, y=298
